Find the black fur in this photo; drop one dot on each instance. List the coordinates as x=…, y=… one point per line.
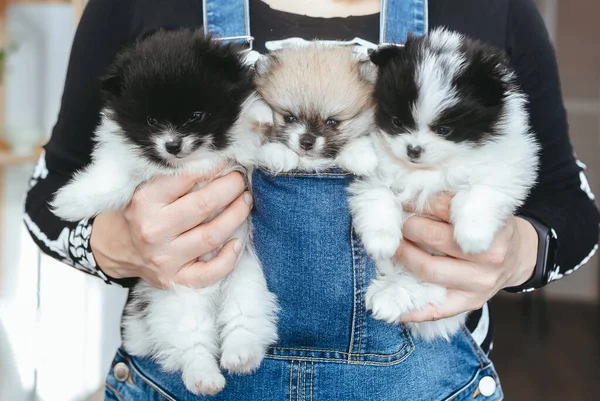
x=168, y=76
x=482, y=86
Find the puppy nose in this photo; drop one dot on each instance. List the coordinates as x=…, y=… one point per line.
x=307, y=142
x=414, y=152
x=173, y=146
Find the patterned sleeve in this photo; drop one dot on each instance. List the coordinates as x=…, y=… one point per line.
x=69, y=149
x=65, y=241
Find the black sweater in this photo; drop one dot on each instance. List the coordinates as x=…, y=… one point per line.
x=560, y=200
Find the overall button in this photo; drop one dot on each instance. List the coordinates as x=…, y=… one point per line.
x=487, y=386
x=121, y=372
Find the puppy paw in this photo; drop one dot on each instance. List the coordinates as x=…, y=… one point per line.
x=278, y=158
x=443, y=328
x=360, y=160
x=474, y=236
x=242, y=352
x=387, y=302
x=203, y=378
x=69, y=205
x=366, y=166
x=381, y=245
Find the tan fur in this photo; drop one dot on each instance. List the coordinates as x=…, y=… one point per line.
x=319, y=78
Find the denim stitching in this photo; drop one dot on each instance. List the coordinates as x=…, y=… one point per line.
x=472, y=345
x=304, y=382
x=337, y=352
x=425, y=16
x=351, y=345
x=298, y=382
x=406, y=335
x=383, y=24
x=340, y=360
x=291, y=373
x=469, y=383
x=361, y=304
x=312, y=372
x=306, y=173
x=115, y=392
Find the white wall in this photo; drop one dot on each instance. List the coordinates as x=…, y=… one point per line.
x=60, y=351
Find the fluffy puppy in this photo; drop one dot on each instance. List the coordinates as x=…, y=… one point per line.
x=178, y=102
x=451, y=118
x=322, y=101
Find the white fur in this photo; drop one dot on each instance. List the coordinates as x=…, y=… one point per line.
x=184, y=329
x=358, y=157
x=489, y=183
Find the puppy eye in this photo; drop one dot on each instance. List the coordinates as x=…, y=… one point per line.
x=197, y=116
x=332, y=122
x=290, y=119
x=151, y=121
x=443, y=131
x=396, y=122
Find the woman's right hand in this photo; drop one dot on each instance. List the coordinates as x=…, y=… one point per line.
x=162, y=233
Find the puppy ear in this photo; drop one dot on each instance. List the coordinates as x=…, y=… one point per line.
x=366, y=69
x=112, y=83
x=488, y=76
x=262, y=65
x=383, y=54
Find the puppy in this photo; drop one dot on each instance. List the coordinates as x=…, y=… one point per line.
x=451, y=118
x=323, y=109
x=179, y=102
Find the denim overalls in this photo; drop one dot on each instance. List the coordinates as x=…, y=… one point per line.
x=329, y=348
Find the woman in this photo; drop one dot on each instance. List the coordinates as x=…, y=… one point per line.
x=329, y=348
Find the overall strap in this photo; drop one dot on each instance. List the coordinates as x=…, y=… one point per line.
x=228, y=20
x=398, y=18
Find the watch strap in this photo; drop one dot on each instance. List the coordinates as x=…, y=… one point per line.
x=546, y=256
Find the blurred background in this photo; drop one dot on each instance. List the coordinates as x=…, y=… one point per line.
x=59, y=328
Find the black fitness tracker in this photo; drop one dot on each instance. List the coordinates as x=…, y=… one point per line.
x=546, y=257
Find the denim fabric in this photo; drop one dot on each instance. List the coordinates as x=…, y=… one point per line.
x=398, y=18
x=329, y=348
x=228, y=19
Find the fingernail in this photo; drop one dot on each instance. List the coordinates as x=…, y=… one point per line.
x=248, y=199
x=237, y=247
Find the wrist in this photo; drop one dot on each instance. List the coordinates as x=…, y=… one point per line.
x=527, y=241
x=109, y=249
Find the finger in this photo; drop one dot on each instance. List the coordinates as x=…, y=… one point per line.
x=209, y=236
x=204, y=274
x=436, y=235
x=439, y=207
x=194, y=208
x=441, y=270
x=168, y=188
x=455, y=304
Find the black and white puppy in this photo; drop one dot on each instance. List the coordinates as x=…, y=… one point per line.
x=452, y=118
x=179, y=102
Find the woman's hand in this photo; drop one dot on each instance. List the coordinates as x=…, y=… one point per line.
x=161, y=234
x=471, y=279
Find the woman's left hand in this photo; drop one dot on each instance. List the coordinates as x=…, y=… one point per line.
x=471, y=280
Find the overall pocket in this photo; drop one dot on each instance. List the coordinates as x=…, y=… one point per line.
x=126, y=382
x=484, y=385
x=317, y=267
